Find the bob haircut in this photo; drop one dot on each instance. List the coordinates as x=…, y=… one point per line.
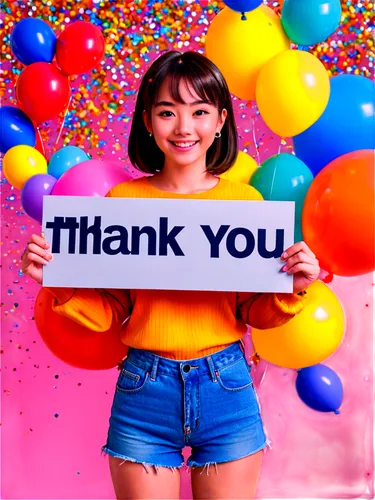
x=209, y=84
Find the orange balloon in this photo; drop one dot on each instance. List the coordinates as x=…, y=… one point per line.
x=74, y=344
x=338, y=218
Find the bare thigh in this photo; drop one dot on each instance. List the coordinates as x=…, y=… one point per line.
x=229, y=480
x=133, y=481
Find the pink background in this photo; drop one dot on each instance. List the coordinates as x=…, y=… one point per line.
x=55, y=417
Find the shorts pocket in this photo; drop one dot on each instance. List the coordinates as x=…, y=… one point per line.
x=235, y=377
x=132, y=378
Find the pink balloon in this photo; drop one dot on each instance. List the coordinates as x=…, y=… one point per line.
x=91, y=178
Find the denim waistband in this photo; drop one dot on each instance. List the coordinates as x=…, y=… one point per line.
x=155, y=364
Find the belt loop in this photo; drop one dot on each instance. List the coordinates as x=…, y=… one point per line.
x=154, y=368
x=212, y=368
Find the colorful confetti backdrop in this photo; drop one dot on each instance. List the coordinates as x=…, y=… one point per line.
x=55, y=417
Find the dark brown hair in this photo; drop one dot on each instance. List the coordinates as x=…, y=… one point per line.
x=209, y=84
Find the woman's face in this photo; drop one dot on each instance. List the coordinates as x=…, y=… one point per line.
x=184, y=132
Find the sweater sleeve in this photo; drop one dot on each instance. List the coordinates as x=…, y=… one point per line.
x=94, y=308
x=268, y=310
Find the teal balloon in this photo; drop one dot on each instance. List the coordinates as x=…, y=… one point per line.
x=307, y=22
x=284, y=177
x=64, y=159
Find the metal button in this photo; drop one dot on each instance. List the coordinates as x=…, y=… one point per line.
x=186, y=368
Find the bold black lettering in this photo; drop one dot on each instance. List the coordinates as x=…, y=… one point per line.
x=85, y=230
x=136, y=235
x=231, y=242
x=169, y=238
x=278, y=250
x=57, y=225
x=122, y=238
x=215, y=240
x=72, y=224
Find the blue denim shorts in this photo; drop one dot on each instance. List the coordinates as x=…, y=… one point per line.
x=162, y=405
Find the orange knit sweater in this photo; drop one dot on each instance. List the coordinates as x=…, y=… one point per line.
x=177, y=324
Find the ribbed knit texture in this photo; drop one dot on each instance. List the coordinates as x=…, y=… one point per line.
x=177, y=324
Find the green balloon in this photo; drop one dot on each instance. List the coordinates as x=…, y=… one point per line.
x=284, y=177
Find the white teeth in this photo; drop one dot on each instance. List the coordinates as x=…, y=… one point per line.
x=183, y=144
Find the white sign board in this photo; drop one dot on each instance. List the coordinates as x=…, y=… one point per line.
x=170, y=244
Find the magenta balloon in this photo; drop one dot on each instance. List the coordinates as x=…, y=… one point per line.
x=91, y=178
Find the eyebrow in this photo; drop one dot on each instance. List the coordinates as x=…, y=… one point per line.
x=171, y=104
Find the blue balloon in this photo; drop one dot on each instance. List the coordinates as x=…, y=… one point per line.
x=243, y=5
x=346, y=125
x=64, y=159
x=15, y=128
x=320, y=388
x=307, y=22
x=32, y=40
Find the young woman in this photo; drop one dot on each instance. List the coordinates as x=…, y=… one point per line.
x=185, y=380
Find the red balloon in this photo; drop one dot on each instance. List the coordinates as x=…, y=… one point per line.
x=74, y=344
x=338, y=218
x=42, y=91
x=79, y=48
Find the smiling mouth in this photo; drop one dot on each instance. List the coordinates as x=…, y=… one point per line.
x=184, y=145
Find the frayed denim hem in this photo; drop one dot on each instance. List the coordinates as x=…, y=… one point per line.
x=107, y=451
x=193, y=464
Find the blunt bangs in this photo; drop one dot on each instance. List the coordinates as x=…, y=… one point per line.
x=194, y=69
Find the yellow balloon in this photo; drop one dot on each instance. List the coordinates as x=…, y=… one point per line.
x=241, y=48
x=242, y=170
x=308, y=338
x=22, y=162
x=292, y=91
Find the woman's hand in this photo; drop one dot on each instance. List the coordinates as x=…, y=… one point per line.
x=35, y=257
x=300, y=261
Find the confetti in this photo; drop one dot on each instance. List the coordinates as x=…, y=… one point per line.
x=135, y=33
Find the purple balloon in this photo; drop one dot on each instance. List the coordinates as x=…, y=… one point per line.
x=32, y=194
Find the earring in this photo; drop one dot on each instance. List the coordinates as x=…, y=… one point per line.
x=217, y=135
x=150, y=134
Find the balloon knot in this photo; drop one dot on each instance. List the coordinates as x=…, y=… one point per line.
x=328, y=278
x=337, y=412
x=243, y=17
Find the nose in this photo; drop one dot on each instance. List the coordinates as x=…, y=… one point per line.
x=183, y=125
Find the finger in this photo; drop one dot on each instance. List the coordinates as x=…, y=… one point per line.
x=301, y=246
x=289, y=252
x=39, y=251
x=307, y=269
x=39, y=240
x=32, y=257
x=296, y=258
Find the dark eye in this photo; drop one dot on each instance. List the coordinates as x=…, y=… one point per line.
x=202, y=111
x=163, y=113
